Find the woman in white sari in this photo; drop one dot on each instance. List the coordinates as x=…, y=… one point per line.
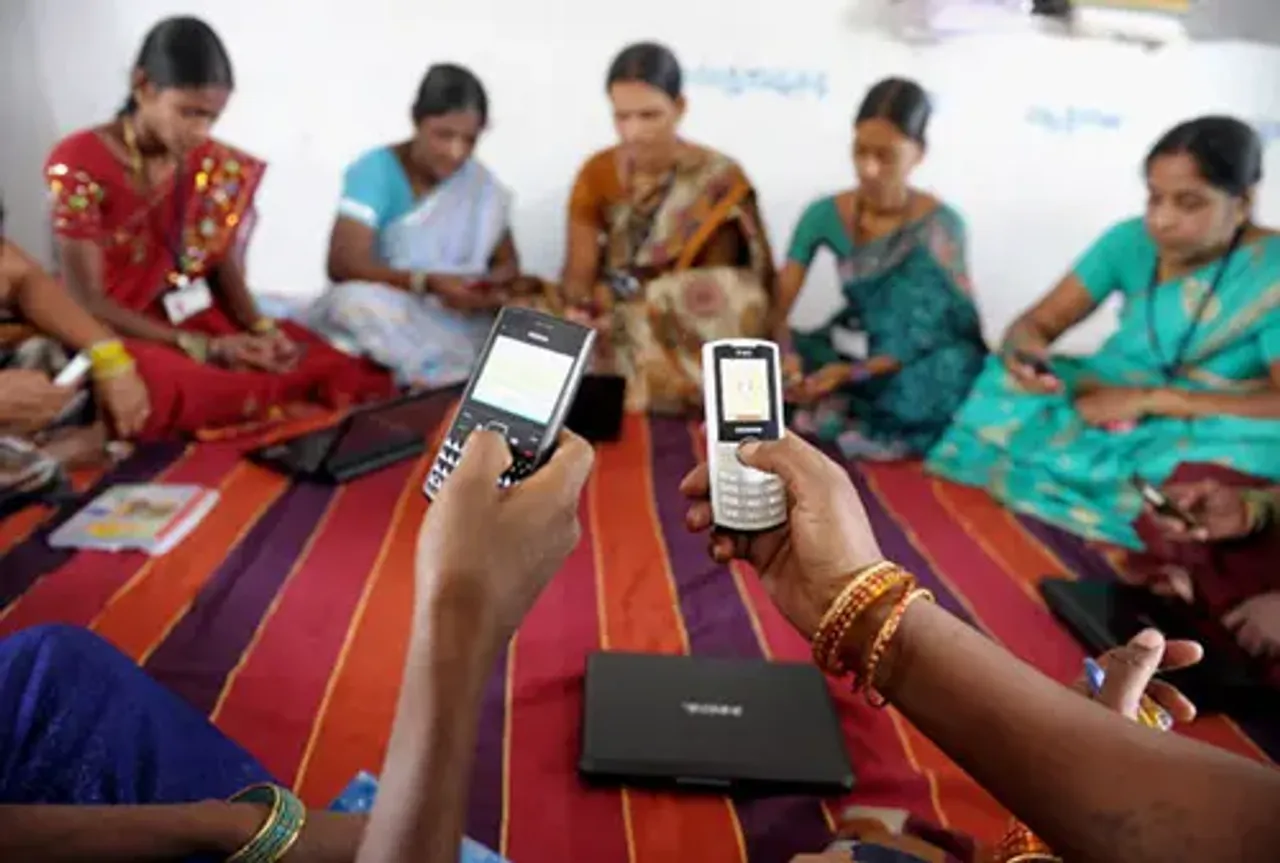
x=421, y=256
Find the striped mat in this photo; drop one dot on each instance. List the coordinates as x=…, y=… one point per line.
x=285, y=617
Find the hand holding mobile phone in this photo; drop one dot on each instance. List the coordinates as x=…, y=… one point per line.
x=522, y=387
x=742, y=396
x=1160, y=503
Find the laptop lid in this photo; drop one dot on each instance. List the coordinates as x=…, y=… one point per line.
x=728, y=725
x=371, y=436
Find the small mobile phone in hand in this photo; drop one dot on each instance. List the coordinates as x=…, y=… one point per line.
x=1037, y=364
x=742, y=393
x=1159, y=501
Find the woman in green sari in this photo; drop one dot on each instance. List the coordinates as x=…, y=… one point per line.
x=905, y=286
x=1191, y=375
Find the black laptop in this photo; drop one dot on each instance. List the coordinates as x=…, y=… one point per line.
x=1102, y=615
x=368, y=439
x=741, y=727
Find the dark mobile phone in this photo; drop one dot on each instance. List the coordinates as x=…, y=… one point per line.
x=1160, y=502
x=1037, y=364
x=522, y=387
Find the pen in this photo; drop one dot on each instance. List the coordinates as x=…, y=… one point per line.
x=1150, y=714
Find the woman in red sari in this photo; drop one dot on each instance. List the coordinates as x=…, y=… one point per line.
x=150, y=215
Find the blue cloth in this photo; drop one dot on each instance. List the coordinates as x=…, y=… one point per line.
x=80, y=723
x=1036, y=454
x=910, y=293
x=454, y=229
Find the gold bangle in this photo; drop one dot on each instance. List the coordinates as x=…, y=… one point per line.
x=865, y=588
x=884, y=638
x=263, y=325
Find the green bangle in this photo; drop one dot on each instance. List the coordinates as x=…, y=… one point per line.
x=280, y=832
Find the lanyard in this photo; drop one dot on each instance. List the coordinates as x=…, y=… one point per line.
x=1170, y=366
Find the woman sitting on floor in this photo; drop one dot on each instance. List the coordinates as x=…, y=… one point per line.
x=421, y=253
x=901, y=258
x=150, y=215
x=666, y=247
x=1225, y=559
x=40, y=324
x=1191, y=375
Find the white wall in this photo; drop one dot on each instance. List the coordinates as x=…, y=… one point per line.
x=1036, y=140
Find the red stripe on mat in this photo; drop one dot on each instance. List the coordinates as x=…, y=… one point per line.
x=353, y=722
x=550, y=814
x=270, y=700
x=1000, y=603
x=639, y=612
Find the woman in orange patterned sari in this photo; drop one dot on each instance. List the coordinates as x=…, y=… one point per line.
x=666, y=245
x=150, y=215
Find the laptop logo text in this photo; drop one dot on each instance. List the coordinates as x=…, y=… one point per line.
x=697, y=708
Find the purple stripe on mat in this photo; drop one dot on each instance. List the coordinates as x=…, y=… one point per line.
x=898, y=547
x=33, y=557
x=196, y=657
x=484, y=810
x=1082, y=561
x=719, y=625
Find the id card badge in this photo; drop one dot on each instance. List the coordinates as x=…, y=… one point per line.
x=187, y=301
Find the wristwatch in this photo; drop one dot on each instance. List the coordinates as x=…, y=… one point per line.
x=418, y=283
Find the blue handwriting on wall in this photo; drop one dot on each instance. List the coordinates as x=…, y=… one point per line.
x=1070, y=119
x=784, y=81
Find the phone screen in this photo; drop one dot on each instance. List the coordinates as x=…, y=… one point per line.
x=747, y=385
x=523, y=379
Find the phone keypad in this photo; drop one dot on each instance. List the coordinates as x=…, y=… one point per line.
x=746, y=498
x=446, y=460
x=451, y=452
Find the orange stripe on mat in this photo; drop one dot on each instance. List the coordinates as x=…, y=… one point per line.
x=77, y=591
x=21, y=525
x=270, y=699
x=353, y=723
x=145, y=610
x=640, y=612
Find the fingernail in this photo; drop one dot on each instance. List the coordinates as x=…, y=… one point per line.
x=749, y=448
x=1148, y=639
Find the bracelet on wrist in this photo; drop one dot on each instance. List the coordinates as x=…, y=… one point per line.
x=418, y=283
x=865, y=589
x=279, y=832
x=109, y=359
x=263, y=326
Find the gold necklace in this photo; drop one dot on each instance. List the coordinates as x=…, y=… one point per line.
x=130, y=136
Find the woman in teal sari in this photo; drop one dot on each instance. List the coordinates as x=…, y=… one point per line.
x=1192, y=375
x=905, y=285
x=421, y=254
